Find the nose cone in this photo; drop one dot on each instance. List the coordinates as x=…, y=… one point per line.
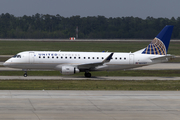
x=6, y=63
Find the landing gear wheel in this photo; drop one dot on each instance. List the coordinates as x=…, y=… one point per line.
x=25, y=75
x=87, y=74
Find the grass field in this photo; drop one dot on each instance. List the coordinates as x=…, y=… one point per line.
x=88, y=85
x=13, y=47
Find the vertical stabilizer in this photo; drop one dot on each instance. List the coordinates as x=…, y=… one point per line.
x=160, y=44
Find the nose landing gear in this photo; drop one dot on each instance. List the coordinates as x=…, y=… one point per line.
x=25, y=73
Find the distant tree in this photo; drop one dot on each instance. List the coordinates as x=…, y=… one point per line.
x=94, y=27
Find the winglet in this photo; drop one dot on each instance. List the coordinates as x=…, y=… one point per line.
x=108, y=58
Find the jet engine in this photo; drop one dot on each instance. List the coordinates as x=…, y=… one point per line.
x=68, y=70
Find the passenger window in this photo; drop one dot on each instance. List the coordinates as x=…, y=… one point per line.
x=93, y=58
x=116, y=58
x=43, y=56
x=97, y=57
x=52, y=56
x=79, y=57
x=70, y=57
x=88, y=57
x=102, y=58
x=120, y=58
x=48, y=56
x=61, y=57
x=84, y=57
x=39, y=56
x=57, y=57
x=124, y=58
x=74, y=57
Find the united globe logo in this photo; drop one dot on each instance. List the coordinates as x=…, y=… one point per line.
x=156, y=47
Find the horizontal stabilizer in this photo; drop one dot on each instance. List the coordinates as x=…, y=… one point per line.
x=163, y=57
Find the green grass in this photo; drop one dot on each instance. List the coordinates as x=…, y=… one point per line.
x=160, y=73
x=13, y=47
x=88, y=85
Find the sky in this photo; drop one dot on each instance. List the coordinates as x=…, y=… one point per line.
x=84, y=8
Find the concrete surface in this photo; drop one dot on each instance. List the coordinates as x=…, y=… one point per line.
x=89, y=105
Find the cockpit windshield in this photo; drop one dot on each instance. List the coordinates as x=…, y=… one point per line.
x=16, y=56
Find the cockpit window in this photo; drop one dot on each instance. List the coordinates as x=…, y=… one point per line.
x=17, y=56
x=14, y=56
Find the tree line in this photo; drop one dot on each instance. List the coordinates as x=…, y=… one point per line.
x=92, y=27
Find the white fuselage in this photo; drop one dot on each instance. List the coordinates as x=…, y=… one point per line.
x=55, y=60
x=74, y=62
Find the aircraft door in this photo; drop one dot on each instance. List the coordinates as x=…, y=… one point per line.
x=131, y=58
x=31, y=57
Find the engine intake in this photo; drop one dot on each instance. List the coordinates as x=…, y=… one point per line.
x=69, y=70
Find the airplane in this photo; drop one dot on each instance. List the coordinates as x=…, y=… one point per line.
x=74, y=62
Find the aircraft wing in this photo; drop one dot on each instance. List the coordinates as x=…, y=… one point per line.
x=93, y=65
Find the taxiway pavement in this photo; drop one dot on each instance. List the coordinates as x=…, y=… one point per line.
x=89, y=105
x=84, y=78
x=160, y=66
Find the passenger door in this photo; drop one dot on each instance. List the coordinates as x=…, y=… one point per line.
x=31, y=57
x=131, y=58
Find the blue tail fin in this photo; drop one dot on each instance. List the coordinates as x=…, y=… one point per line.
x=160, y=44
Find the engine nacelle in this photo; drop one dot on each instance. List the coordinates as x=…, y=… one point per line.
x=69, y=70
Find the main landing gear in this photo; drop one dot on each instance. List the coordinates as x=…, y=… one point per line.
x=87, y=74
